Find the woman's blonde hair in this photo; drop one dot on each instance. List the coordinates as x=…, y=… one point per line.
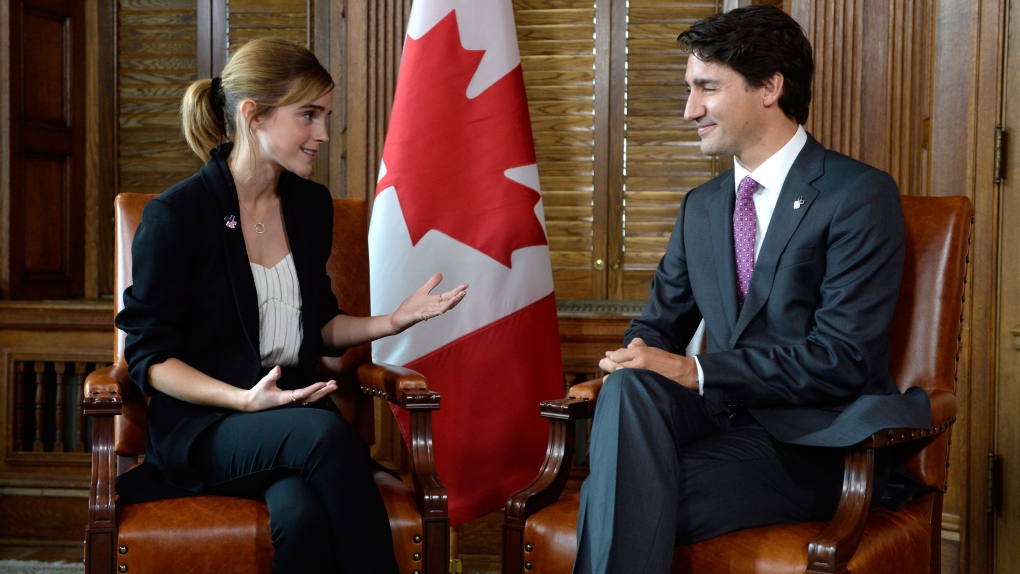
x=269, y=71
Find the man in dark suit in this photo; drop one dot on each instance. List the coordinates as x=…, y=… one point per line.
x=793, y=259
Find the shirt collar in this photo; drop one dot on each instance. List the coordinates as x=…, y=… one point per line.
x=771, y=174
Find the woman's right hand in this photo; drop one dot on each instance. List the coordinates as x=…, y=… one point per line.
x=266, y=395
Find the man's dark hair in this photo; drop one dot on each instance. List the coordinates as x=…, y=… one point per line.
x=756, y=42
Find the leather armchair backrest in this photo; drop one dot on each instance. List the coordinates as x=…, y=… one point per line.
x=927, y=324
x=347, y=268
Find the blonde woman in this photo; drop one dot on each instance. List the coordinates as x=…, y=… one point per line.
x=230, y=308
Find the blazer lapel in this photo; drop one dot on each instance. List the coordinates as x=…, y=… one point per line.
x=784, y=222
x=220, y=184
x=721, y=209
x=299, y=250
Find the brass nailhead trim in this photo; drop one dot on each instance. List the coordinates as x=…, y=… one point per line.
x=527, y=565
x=417, y=538
x=122, y=550
x=527, y=547
x=122, y=568
x=416, y=556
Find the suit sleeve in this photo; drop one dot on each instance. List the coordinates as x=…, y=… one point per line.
x=845, y=350
x=156, y=304
x=670, y=316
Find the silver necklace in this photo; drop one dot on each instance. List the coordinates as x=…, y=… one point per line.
x=260, y=228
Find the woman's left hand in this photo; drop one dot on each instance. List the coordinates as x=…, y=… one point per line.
x=421, y=306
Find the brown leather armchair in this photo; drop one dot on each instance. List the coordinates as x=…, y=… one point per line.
x=225, y=535
x=539, y=527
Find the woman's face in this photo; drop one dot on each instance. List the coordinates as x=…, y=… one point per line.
x=290, y=136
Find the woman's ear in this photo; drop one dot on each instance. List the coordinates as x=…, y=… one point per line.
x=245, y=110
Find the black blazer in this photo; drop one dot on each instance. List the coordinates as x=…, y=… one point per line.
x=193, y=298
x=808, y=355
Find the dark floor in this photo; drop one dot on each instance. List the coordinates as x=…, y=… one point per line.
x=53, y=553
x=477, y=543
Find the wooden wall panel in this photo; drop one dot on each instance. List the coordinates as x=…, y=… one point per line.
x=872, y=85
x=558, y=60
x=157, y=61
x=662, y=157
x=375, y=39
x=47, y=151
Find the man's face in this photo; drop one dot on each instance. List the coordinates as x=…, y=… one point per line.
x=727, y=112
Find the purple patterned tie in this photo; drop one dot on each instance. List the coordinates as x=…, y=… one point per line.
x=744, y=221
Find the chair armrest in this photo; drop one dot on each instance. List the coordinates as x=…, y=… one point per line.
x=103, y=396
x=409, y=390
x=400, y=386
x=103, y=400
x=588, y=391
x=833, y=547
x=552, y=477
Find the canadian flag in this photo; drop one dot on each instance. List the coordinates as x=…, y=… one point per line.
x=458, y=193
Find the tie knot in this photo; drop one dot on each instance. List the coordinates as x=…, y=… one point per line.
x=747, y=187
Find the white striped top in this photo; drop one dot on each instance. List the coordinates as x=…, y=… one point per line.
x=279, y=295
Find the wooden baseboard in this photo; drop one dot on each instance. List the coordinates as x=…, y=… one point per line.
x=58, y=520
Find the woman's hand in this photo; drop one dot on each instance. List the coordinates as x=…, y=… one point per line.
x=266, y=395
x=421, y=306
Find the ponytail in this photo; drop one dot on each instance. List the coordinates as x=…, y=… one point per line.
x=202, y=117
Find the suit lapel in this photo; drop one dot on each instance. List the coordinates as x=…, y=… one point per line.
x=784, y=222
x=721, y=217
x=220, y=184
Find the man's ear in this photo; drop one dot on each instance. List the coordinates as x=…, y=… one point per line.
x=772, y=89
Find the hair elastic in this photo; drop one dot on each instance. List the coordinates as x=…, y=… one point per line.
x=216, y=98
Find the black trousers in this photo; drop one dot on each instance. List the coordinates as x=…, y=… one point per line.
x=313, y=471
x=665, y=471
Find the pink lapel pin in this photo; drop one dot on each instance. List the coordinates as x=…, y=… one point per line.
x=798, y=203
x=231, y=221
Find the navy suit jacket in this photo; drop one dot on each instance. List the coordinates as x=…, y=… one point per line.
x=193, y=298
x=808, y=354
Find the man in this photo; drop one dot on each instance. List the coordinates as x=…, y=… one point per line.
x=793, y=259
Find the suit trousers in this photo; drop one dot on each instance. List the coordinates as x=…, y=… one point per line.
x=665, y=471
x=313, y=471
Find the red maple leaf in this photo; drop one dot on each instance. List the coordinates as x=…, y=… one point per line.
x=445, y=153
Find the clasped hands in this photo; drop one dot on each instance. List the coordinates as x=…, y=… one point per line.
x=638, y=355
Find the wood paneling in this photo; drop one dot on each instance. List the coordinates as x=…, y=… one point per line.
x=558, y=53
x=872, y=85
x=1006, y=329
x=375, y=39
x=47, y=150
x=157, y=61
x=662, y=156
x=605, y=92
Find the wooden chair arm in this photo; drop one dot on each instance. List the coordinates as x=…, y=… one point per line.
x=103, y=390
x=400, y=386
x=588, y=391
x=103, y=400
x=409, y=390
x=832, y=548
x=552, y=477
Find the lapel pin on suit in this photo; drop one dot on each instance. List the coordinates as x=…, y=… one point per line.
x=799, y=202
x=231, y=221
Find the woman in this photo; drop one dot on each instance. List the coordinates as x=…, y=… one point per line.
x=230, y=308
